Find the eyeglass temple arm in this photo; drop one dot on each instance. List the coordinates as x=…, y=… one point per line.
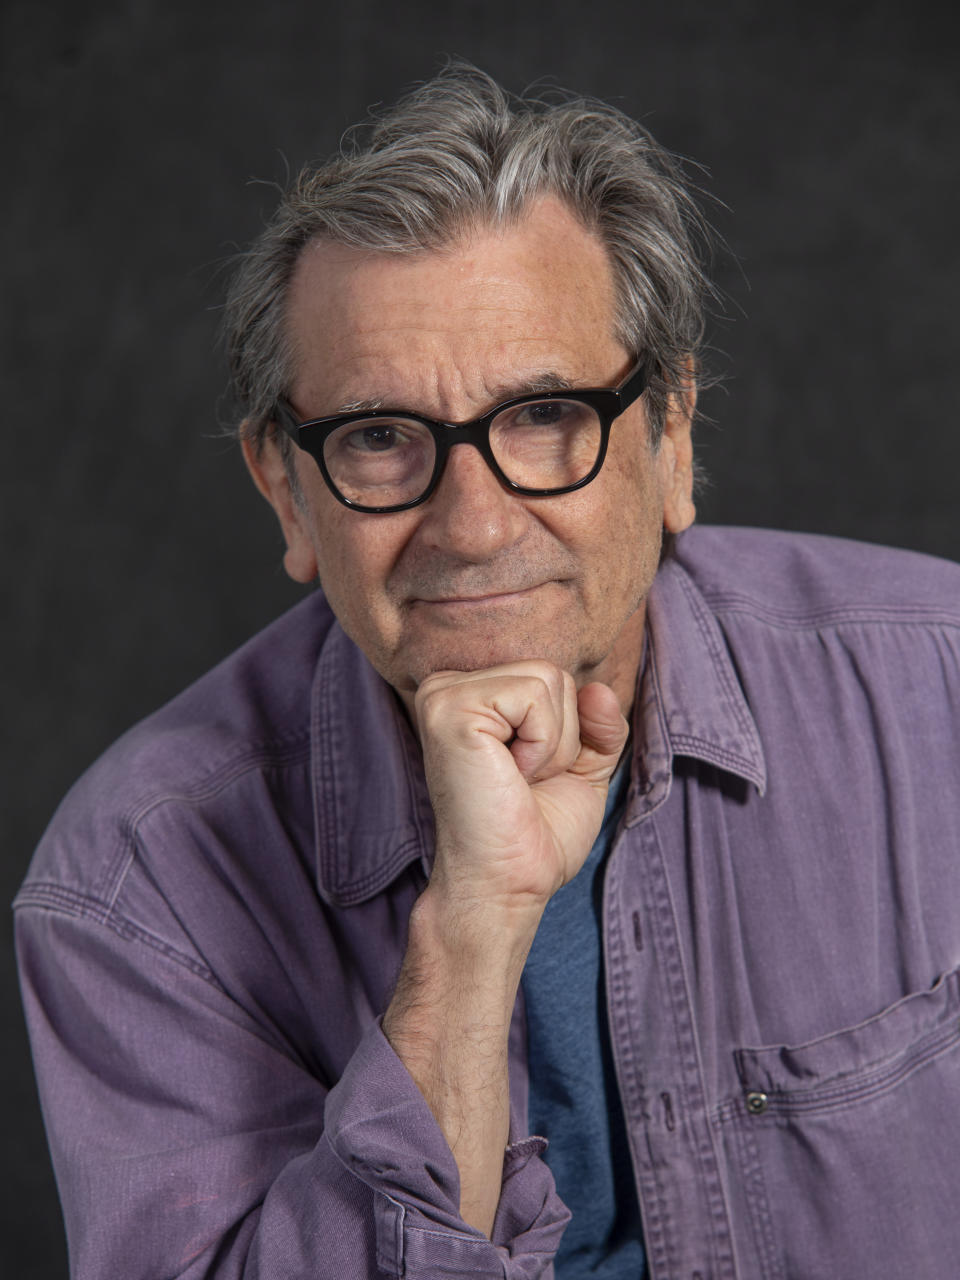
x=634, y=385
x=286, y=420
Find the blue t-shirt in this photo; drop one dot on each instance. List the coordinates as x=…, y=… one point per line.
x=574, y=1101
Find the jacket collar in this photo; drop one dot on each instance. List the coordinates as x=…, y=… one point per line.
x=690, y=700
x=372, y=813
x=371, y=808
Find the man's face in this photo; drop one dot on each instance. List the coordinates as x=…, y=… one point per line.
x=478, y=576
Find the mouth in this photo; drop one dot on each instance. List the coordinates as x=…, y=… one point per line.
x=490, y=598
x=465, y=605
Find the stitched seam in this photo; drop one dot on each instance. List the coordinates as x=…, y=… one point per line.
x=211, y=786
x=130, y=818
x=404, y=854
x=733, y=692
x=709, y=750
x=459, y=1237
x=67, y=902
x=879, y=615
x=863, y=1086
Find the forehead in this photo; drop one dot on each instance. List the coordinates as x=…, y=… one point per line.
x=499, y=305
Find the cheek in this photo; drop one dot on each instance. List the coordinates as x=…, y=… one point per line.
x=613, y=530
x=349, y=570
x=628, y=552
x=633, y=500
x=356, y=555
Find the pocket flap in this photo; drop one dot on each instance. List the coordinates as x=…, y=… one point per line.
x=879, y=1040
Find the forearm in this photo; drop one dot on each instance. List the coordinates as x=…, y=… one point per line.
x=449, y=1023
x=517, y=762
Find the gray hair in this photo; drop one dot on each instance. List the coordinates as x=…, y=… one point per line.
x=459, y=152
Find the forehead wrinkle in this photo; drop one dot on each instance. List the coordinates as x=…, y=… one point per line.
x=541, y=382
x=425, y=318
x=544, y=380
x=358, y=328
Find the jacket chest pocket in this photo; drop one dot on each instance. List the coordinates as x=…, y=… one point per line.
x=848, y=1148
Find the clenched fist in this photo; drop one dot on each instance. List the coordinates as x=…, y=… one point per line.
x=517, y=764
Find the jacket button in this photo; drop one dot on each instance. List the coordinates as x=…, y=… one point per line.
x=757, y=1103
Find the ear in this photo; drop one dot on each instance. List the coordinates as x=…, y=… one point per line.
x=676, y=457
x=269, y=472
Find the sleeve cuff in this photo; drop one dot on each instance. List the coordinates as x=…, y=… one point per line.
x=380, y=1128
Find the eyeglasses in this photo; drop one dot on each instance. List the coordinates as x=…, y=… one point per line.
x=380, y=460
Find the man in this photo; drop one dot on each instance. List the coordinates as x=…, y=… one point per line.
x=523, y=826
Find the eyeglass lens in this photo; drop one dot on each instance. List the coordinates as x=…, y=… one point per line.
x=542, y=444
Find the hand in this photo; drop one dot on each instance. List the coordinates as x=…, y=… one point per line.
x=517, y=764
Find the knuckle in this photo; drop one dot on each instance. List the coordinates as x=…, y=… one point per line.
x=542, y=694
x=430, y=703
x=549, y=675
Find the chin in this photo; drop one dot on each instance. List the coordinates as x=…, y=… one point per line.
x=481, y=657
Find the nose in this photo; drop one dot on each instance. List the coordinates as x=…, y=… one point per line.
x=471, y=514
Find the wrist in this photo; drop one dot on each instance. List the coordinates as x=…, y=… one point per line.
x=460, y=973
x=472, y=934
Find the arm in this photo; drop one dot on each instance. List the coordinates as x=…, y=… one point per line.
x=191, y=1137
x=190, y=1141
x=517, y=765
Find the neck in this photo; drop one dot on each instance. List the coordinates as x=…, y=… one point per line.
x=621, y=667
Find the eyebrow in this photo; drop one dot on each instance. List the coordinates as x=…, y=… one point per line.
x=539, y=383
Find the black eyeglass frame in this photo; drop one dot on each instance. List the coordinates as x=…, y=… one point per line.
x=607, y=402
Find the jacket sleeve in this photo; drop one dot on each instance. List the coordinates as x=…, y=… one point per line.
x=189, y=1142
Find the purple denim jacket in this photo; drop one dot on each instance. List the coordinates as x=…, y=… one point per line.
x=213, y=922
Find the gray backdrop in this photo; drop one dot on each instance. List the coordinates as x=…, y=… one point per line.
x=140, y=141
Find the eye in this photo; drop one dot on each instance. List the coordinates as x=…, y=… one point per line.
x=543, y=413
x=376, y=438
x=555, y=414
x=375, y=450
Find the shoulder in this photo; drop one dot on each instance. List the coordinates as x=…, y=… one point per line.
x=825, y=631
x=248, y=716
x=847, y=656
x=808, y=579
x=253, y=704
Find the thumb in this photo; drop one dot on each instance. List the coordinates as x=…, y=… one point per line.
x=603, y=732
